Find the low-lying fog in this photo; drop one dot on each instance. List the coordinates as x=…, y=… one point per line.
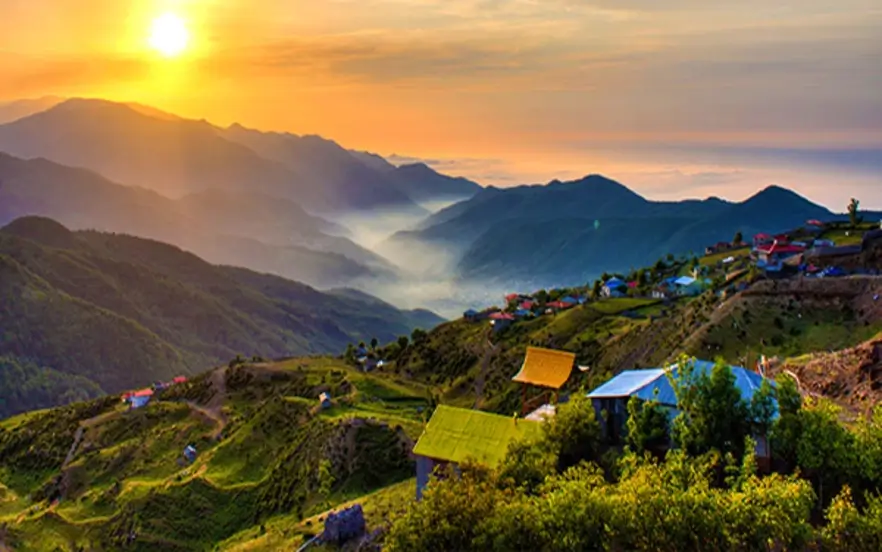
x=427, y=272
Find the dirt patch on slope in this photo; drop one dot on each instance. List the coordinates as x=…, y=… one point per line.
x=858, y=292
x=747, y=317
x=851, y=377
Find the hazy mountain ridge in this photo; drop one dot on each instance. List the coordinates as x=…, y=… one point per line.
x=124, y=311
x=16, y=109
x=568, y=232
x=325, y=164
x=227, y=227
x=142, y=146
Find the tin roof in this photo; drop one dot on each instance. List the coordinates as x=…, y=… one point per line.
x=546, y=367
x=456, y=434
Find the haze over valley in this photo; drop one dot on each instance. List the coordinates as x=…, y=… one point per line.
x=306, y=208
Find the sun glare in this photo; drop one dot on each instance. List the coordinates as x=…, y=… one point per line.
x=169, y=35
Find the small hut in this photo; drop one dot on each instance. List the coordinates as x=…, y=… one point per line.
x=325, y=400
x=454, y=435
x=190, y=453
x=345, y=525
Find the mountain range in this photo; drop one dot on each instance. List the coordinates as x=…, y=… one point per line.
x=227, y=227
x=140, y=146
x=569, y=232
x=118, y=311
x=296, y=206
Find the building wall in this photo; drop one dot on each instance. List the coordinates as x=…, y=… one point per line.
x=424, y=468
x=138, y=402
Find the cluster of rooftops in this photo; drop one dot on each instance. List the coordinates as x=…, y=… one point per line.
x=772, y=253
x=811, y=256
x=454, y=434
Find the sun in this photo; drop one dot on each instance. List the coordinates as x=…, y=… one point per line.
x=169, y=35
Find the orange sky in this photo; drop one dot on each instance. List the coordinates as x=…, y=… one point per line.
x=534, y=88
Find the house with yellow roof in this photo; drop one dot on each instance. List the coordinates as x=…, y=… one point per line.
x=547, y=369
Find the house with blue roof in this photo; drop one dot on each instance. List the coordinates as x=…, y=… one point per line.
x=614, y=287
x=523, y=313
x=689, y=286
x=654, y=384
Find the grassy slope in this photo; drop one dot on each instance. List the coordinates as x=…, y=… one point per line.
x=124, y=312
x=273, y=428
x=126, y=475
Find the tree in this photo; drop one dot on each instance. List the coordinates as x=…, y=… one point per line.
x=762, y=408
x=713, y=415
x=826, y=448
x=869, y=447
x=597, y=289
x=403, y=342
x=418, y=336
x=787, y=429
x=527, y=464
x=739, y=237
x=573, y=432
x=647, y=425
x=541, y=296
x=349, y=355
x=853, y=209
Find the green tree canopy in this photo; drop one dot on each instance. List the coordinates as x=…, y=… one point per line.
x=647, y=425
x=713, y=415
x=853, y=209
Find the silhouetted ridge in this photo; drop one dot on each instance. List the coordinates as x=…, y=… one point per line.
x=42, y=230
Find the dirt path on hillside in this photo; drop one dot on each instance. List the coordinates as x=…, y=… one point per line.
x=485, y=353
x=80, y=433
x=214, y=415
x=213, y=410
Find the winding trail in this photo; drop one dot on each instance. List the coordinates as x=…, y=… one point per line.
x=213, y=410
x=214, y=415
x=81, y=431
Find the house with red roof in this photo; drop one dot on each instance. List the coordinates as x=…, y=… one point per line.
x=179, y=379
x=773, y=255
x=137, y=399
x=501, y=320
x=762, y=239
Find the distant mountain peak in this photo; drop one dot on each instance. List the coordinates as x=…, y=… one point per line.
x=776, y=193
x=417, y=167
x=89, y=103
x=42, y=230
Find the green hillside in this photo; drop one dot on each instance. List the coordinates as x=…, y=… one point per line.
x=95, y=475
x=784, y=318
x=271, y=463
x=124, y=312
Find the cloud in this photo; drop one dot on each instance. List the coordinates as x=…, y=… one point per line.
x=449, y=60
x=25, y=76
